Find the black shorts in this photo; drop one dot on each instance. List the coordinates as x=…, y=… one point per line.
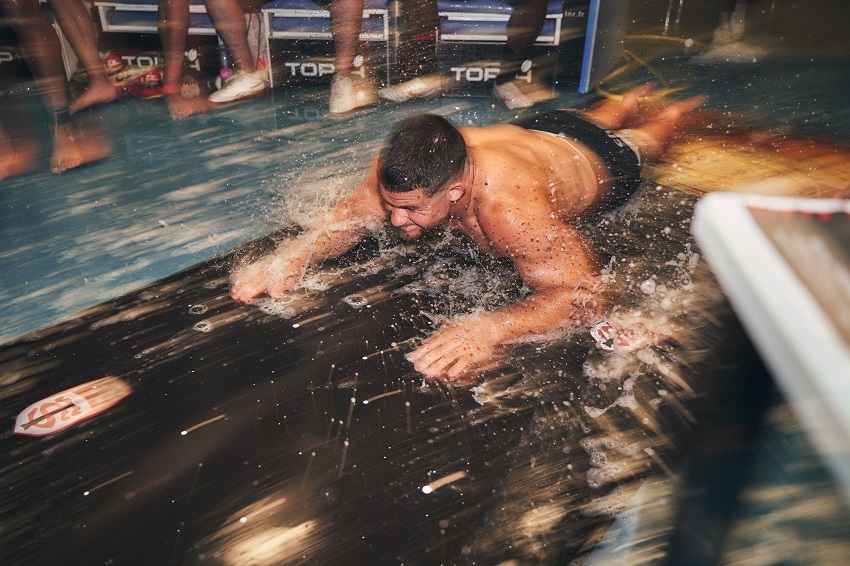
x=622, y=161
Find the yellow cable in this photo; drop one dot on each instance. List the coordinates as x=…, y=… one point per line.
x=648, y=67
x=656, y=95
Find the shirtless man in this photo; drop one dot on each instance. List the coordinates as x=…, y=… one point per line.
x=514, y=189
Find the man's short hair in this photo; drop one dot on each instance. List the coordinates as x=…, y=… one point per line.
x=424, y=152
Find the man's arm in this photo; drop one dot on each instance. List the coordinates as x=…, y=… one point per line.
x=339, y=231
x=553, y=259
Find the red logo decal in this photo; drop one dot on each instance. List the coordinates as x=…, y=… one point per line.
x=71, y=406
x=606, y=335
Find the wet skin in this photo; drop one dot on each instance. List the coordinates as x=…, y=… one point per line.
x=455, y=351
x=517, y=197
x=500, y=202
x=413, y=213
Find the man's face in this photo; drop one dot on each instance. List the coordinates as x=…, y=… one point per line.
x=413, y=213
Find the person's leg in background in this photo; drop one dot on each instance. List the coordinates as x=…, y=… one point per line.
x=524, y=27
x=347, y=93
x=173, y=26
x=228, y=17
x=229, y=21
x=731, y=24
x=73, y=145
x=75, y=21
x=417, y=70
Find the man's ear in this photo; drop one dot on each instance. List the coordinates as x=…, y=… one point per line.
x=456, y=191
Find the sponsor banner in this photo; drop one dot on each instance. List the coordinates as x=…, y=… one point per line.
x=296, y=62
x=471, y=69
x=12, y=63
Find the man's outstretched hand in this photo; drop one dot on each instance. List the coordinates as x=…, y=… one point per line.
x=457, y=353
x=270, y=275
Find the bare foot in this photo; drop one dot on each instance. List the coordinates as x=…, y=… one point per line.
x=74, y=145
x=671, y=116
x=180, y=107
x=616, y=114
x=100, y=92
x=659, y=129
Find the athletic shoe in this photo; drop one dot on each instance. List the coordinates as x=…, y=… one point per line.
x=511, y=95
x=348, y=94
x=240, y=85
x=129, y=75
x=420, y=87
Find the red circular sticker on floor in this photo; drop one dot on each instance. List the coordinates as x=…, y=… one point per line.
x=69, y=407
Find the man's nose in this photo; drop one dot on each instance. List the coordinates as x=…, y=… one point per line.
x=398, y=217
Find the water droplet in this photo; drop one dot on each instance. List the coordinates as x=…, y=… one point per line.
x=648, y=287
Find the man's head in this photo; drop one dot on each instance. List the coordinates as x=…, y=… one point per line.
x=422, y=152
x=418, y=170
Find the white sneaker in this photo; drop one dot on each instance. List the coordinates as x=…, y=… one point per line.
x=348, y=94
x=241, y=85
x=420, y=87
x=512, y=96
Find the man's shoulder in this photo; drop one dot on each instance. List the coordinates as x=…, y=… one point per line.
x=483, y=134
x=499, y=199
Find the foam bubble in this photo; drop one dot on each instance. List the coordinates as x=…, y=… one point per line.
x=197, y=309
x=277, y=307
x=356, y=301
x=595, y=412
x=203, y=326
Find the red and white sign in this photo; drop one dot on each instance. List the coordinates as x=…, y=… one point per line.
x=71, y=406
x=609, y=338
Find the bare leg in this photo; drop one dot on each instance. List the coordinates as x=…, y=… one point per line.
x=346, y=16
x=41, y=48
x=74, y=144
x=524, y=25
x=418, y=38
x=617, y=114
x=348, y=93
x=229, y=20
x=654, y=135
x=75, y=21
x=173, y=28
x=71, y=146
